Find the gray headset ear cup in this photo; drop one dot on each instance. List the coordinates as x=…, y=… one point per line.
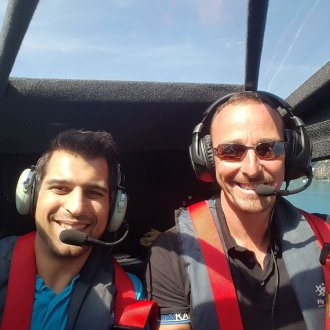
x=118, y=211
x=25, y=192
x=207, y=149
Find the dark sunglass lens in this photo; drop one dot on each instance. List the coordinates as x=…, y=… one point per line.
x=278, y=148
x=231, y=151
x=270, y=150
x=265, y=149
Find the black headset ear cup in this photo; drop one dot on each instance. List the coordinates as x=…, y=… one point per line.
x=208, y=154
x=25, y=191
x=298, y=153
x=289, y=151
x=118, y=210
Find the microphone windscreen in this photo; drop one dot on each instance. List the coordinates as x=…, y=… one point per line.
x=265, y=190
x=73, y=237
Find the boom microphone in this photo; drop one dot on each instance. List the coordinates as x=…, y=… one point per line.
x=78, y=238
x=265, y=190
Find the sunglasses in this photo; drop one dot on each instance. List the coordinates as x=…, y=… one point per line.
x=234, y=152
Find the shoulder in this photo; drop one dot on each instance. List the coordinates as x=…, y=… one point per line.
x=165, y=247
x=165, y=265
x=6, y=250
x=166, y=238
x=6, y=247
x=325, y=217
x=286, y=207
x=165, y=254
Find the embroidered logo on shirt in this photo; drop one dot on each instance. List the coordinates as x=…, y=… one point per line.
x=182, y=317
x=175, y=318
x=320, y=290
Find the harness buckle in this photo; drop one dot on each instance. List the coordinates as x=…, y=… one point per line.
x=324, y=253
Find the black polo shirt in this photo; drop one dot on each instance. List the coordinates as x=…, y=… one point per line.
x=266, y=298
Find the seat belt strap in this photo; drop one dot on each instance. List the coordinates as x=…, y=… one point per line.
x=17, y=313
x=224, y=293
x=322, y=232
x=128, y=311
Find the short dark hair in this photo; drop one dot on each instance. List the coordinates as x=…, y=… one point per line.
x=88, y=144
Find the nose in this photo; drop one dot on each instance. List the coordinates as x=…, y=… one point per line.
x=75, y=202
x=250, y=164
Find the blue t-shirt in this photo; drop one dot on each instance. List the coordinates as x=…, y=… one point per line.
x=50, y=311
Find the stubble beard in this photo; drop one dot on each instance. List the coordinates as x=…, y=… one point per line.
x=252, y=204
x=58, y=249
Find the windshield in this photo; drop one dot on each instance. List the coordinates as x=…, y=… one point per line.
x=172, y=41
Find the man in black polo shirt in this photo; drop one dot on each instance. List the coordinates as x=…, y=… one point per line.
x=247, y=259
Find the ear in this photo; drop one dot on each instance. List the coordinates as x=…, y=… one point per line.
x=118, y=211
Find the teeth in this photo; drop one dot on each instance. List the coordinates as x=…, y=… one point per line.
x=247, y=187
x=72, y=226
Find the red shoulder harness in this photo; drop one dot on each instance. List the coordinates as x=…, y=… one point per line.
x=20, y=293
x=222, y=286
x=128, y=311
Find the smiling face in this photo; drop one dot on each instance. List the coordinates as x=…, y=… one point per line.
x=247, y=123
x=74, y=194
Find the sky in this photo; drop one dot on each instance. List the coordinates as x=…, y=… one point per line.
x=200, y=41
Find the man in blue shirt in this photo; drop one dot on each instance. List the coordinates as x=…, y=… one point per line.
x=75, y=186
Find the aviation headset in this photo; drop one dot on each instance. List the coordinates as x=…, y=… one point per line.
x=298, y=149
x=26, y=197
